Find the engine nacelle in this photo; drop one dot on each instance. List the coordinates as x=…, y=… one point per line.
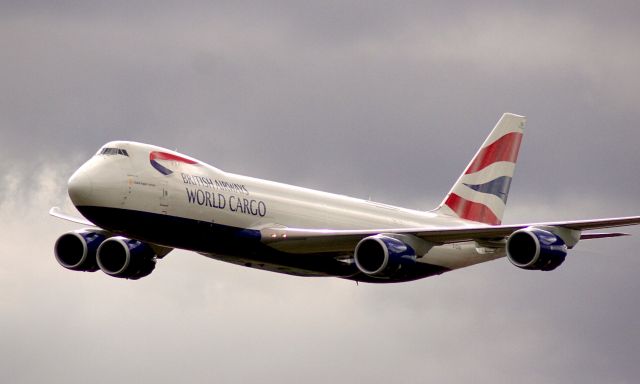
x=77, y=250
x=126, y=258
x=536, y=249
x=383, y=256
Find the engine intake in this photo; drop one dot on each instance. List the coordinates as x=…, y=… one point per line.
x=126, y=258
x=383, y=256
x=536, y=249
x=77, y=250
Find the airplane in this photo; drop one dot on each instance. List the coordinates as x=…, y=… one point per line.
x=141, y=201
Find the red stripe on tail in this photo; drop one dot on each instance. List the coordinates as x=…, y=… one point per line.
x=504, y=149
x=470, y=210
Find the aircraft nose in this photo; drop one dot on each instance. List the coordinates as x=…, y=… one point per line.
x=80, y=187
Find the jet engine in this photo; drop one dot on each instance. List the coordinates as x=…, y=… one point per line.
x=126, y=258
x=77, y=250
x=383, y=256
x=536, y=249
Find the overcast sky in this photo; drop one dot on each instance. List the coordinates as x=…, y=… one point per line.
x=377, y=98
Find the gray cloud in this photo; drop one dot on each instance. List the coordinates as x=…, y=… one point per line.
x=382, y=100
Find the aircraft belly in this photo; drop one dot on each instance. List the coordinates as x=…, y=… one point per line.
x=234, y=245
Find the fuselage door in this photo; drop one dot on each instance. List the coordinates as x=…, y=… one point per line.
x=164, y=197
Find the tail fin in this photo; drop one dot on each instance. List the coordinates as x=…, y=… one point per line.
x=480, y=194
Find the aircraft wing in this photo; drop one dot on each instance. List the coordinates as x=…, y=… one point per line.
x=57, y=212
x=325, y=240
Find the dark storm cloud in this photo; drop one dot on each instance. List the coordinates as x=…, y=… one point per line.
x=382, y=99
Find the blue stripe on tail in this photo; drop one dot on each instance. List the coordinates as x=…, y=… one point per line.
x=498, y=187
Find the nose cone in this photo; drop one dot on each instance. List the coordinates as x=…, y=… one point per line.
x=80, y=187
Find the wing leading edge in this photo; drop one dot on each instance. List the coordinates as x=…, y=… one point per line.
x=299, y=240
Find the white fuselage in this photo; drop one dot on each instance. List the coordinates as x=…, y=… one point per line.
x=177, y=186
x=142, y=201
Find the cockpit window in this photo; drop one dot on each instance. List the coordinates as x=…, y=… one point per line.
x=113, y=151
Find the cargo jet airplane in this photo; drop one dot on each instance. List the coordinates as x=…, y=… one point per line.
x=140, y=201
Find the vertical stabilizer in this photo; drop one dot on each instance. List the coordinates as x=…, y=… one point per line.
x=481, y=192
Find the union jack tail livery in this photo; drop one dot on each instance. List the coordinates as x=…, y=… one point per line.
x=481, y=192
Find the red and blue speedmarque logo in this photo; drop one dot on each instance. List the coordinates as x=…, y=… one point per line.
x=155, y=156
